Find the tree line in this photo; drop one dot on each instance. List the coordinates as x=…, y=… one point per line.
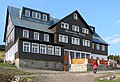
x=2, y=47
x=115, y=57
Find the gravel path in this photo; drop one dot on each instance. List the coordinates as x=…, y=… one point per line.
x=61, y=76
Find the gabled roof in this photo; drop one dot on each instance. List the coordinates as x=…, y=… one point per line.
x=43, y=26
x=97, y=39
x=27, y=23
x=16, y=20
x=68, y=16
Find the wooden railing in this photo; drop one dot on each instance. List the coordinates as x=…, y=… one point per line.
x=105, y=62
x=88, y=61
x=78, y=61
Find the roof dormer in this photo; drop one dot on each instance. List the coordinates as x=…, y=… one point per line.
x=34, y=14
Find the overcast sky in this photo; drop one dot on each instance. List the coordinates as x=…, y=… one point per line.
x=104, y=15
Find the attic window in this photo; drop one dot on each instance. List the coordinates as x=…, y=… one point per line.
x=36, y=15
x=75, y=16
x=44, y=17
x=27, y=13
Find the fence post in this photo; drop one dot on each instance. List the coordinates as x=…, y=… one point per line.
x=98, y=61
x=86, y=61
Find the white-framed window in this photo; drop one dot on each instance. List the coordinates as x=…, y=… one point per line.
x=75, y=16
x=26, y=46
x=36, y=35
x=57, y=50
x=86, y=43
x=36, y=15
x=44, y=17
x=97, y=46
x=33, y=14
x=103, y=47
x=75, y=41
x=42, y=48
x=85, y=31
x=64, y=25
x=27, y=13
x=75, y=28
x=46, y=37
x=93, y=46
x=35, y=47
x=26, y=33
x=50, y=50
x=63, y=38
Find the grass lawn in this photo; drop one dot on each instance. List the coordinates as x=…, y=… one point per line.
x=7, y=65
x=8, y=71
x=2, y=54
x=117, y=80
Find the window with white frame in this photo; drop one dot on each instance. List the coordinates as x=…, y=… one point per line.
x=36, y=35
x=93, y=45
x=44, y=17
x=63, y=38
x=64, y=25
x=75, y=41
x=36, y=15
x=26, y=33
x=46, y=37
x=50, y=50
x=42, y=48
x=75, y=16
x=86, y=43
x=75, y=28
x=35, y=48
x=103, y=47
x=97, y=46
x=78, y=55
x=85, y=31
x=26, y=46
x=57, y=50
x=27, y=13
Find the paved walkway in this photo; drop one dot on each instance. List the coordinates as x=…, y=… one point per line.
x=61, y=76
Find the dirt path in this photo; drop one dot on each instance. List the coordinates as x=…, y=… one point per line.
x=61, y=76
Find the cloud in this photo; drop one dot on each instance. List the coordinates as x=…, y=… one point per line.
x=117, y=22
x=113, y=39
x=116, y=40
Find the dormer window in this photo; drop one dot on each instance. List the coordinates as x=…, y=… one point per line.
x=36, y=15
x=75, y=16
x=44, y=17
x=27, y=13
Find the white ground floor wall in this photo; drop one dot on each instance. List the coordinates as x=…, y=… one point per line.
x=10, y=54
x=100, y=56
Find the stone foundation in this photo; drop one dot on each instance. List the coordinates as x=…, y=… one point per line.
x=90, y=67
x=38, y=64
x=78, y=67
